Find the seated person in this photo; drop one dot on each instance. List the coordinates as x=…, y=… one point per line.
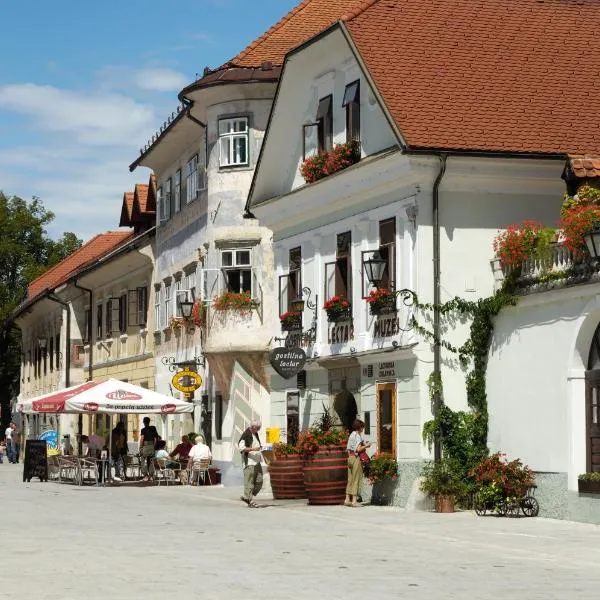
x=198, y=452
x=182, y=449
x=162, y=454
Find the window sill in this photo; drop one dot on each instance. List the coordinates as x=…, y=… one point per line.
x=123, y=337
x=143, y=331
x=226, y=168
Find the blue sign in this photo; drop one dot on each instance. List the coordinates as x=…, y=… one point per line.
x=51, y=438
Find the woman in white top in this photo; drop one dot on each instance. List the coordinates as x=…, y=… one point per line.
x=355, y=445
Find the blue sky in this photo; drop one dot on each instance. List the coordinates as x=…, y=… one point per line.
x=83, y=85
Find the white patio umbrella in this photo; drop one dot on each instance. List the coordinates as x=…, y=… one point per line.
x=105, y=397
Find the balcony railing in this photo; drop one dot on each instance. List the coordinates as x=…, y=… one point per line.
x=557, y=269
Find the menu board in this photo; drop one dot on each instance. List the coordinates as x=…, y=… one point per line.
x=36, y=460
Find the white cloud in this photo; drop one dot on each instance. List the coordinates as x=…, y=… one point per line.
x=78, y=151
x=160, y=80
x=86, y=118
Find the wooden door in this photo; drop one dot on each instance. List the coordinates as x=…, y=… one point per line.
x=386, y=418
x=592, y=418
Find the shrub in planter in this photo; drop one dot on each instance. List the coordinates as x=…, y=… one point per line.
x=517, y=243
x=239, y=301
x=323, y=164
x=497, y=477
x=575, y=223
x=291, y=321
x=444, y=481
x=381, y=301
x=287, y=473
x=589, y=483
x=382, y=473
x=325, y=461
x=337, y=308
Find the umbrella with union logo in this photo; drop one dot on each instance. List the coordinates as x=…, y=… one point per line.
x=107, y=397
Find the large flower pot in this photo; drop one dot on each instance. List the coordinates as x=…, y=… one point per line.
x=326, y=475
x=287, y=477
x=444, y=504
x=588, y=486
x=383, y=492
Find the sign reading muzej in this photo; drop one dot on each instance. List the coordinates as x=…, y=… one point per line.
x=288, y=362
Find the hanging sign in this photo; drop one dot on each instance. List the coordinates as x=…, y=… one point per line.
x=186, y=381
x=288, y=362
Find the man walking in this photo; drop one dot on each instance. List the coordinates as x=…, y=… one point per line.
x=8, y=438
x=250, y=447
x=16, y=442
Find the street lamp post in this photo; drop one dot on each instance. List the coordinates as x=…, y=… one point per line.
x=186, y=307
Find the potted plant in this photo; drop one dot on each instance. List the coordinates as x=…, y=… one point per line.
x=589, y=483
x=500, y=482
x=443, y=480
x=199, y=314
x=326, y=163
x=291, y=321
x=237, y=301
x=337, y=308
x=382, y=474
x=286, y=470
x=175, y=323
x=325, y=467
x=576, y=222
x=381, y=301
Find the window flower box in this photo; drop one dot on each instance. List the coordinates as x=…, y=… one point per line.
x=589, y=483
x=381, y=302
x=236, y=301
x=291, y=321
x=338, y=309
x=326, y=163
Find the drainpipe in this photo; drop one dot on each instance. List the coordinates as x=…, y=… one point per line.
x=66, y=306
x=437, y=400
x=90, y=359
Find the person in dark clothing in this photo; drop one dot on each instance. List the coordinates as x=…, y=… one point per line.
x=148, y=440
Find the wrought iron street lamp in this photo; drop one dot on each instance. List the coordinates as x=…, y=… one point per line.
x=375, y=268
x=186, y=307
x=592, y=241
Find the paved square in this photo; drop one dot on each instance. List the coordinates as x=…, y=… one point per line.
x=61, y=542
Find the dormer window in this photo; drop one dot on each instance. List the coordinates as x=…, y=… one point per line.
x=351, y=103
x=325, y=123
x=233, y=142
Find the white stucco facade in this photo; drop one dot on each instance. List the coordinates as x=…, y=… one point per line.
x=364, y=356
x=194, y=242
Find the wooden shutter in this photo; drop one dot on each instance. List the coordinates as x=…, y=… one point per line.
x=132, y=307
x=142, y=305
x=592, y=410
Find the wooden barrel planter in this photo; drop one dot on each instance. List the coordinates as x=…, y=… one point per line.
x=326, y=475
x=287, y=478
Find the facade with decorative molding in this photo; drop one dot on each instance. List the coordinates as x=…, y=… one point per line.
x=424, y=207
x=210, y=256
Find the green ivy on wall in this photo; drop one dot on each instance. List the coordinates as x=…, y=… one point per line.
x=464, y=434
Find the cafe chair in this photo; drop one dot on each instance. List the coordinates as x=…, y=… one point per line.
x=200, y=469
x=164, y=473
x=88, y=471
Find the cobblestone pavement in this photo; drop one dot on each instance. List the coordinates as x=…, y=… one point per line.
x=62, y=542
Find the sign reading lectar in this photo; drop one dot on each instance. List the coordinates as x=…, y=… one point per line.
x=186, y=381
x=288, y=362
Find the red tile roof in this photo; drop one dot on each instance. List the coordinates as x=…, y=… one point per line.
x=126, y=210
x=488, y=75
x=300, y=24
x=585, y=166
x=97, y=247
x=141, y=197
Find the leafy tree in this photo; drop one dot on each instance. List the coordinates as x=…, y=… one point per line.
x=26, y=252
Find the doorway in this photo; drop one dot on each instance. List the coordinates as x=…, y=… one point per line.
x=592, y=420
x=386, y=418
